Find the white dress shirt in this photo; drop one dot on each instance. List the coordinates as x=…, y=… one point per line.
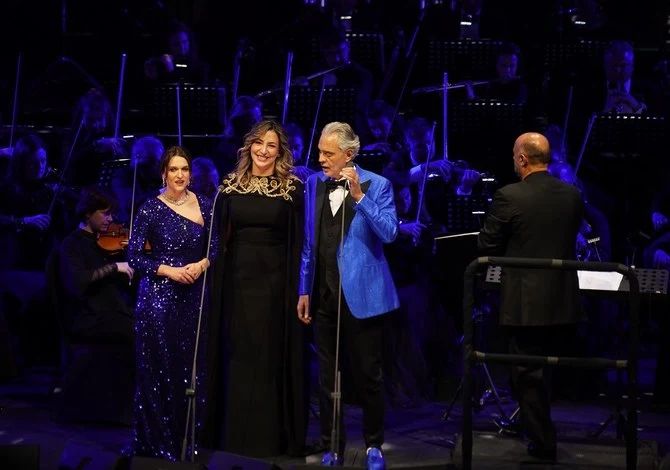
x=336, y=197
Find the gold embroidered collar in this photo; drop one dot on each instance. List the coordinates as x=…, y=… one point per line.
x=264, y=185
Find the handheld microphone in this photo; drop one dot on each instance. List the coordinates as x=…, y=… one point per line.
x=349, y=164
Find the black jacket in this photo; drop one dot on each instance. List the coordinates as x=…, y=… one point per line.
x=535, y=218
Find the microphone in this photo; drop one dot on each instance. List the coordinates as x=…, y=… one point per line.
x=349, y=164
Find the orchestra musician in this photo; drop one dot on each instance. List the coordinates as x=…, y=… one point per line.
x=32, y=219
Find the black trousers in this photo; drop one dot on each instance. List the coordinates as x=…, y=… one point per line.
x=361, y=347
x=530, y=384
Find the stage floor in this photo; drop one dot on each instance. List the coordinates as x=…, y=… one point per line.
x=416, y=436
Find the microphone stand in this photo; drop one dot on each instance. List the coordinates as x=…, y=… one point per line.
x=337, y=388
x=190, y=391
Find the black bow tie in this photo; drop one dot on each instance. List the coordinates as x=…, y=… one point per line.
x=331, y=185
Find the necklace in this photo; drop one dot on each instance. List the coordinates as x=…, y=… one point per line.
x=177, y=202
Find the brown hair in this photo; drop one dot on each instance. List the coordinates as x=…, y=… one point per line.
x=284, y=161
x=174, y=151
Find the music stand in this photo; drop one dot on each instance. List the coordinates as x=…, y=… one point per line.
x=339, y=104
x=464, y=59
x=618, y=136
x=110, y=169
x=617, y=158
x=503, y=123
x=453, y=252
x=367, y=49
x=203, y=108
x=465, y=213
x=373, y=160
x=652, y=282
x=581, y=56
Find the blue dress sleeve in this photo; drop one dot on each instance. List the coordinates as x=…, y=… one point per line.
x=143, y=226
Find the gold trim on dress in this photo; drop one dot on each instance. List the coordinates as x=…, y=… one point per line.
x=264, y=185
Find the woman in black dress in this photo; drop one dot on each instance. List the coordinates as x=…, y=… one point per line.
x=257, y=399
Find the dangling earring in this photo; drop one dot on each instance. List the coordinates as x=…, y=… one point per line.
x=164, y=183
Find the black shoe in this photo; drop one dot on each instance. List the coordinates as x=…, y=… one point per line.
x=539, y=453
x=508, y=427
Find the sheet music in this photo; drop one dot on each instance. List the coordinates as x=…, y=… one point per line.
x=597, y=280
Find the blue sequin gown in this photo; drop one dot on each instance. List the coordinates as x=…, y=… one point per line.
x=166, y=323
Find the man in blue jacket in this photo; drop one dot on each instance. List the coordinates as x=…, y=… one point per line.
x=349, y=215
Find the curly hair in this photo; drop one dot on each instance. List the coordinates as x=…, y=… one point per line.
x=283, y=163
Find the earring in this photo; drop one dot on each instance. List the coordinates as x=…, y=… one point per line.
x=164, y=183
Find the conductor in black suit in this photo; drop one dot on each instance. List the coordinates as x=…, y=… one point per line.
x=538, y=217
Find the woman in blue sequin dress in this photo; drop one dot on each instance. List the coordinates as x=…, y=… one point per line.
x=257, y=401
x=175, y=224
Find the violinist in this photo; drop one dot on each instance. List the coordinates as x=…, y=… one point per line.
x=384, y=134
x=96, y=291
x=384, y=128
x=444, y=177
x=91, y=142
x=93, y=304
x=27, y=226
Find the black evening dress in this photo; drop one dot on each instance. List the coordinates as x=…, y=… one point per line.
x=257, y=400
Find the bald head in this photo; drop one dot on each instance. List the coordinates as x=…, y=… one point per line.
x=531, y=153
x=535, y=146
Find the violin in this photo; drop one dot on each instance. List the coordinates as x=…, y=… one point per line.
x=114, y=240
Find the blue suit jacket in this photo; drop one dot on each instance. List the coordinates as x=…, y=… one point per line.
x=366, y=278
